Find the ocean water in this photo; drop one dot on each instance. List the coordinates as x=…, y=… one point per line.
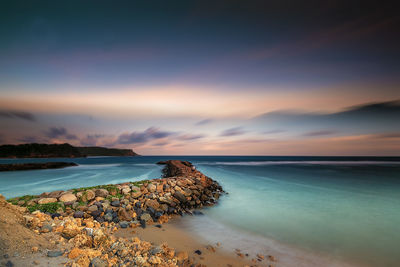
x=347, y=208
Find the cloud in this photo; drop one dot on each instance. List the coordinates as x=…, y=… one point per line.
x=203, y=122
x=17, y=115
x=149, y=134
x=319, y=133
x=233, y=131
x=274, y=131
x=367, y=118
x=189, y=137
x=55, y=132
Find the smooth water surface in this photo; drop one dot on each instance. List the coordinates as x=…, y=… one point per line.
x=347, y=208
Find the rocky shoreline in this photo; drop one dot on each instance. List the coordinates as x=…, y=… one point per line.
x=35, y=166
x=83, y=220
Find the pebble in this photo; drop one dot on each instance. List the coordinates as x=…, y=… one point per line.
x=124, y=224
x=115, y=203
x=78, y=214
x=9, y=264
x=97, y=262
x=198, y=252
x=54, y=253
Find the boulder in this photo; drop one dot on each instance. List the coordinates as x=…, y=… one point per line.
x=152, y=188
x=69, y=197
x=47, y=200
x=92, y=208
x=181, y=197
x=146, y=217
x=153, y=204
x=55, y=194
x=88, y=195
x=101, y=192
x=125, y=215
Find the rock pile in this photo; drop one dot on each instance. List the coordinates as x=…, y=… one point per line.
x=83, y=220
x=182, y=190
x=86, y=242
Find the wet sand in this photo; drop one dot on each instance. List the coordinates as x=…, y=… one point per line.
x=179, y=234
x=176, y=237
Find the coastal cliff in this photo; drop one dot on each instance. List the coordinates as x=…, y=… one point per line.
x=59, y=151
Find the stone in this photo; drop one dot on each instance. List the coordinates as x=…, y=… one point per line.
x=9, y=264
x=93, y=208
x=125, y=215
x=146, y=217
x=126, y=190
x=75, y=253
x=88, y=195
x=124, y=224
x=153, y=204
x=115, y=203
x=198, y=252
x=179, y=196
x=78, y=214
x=101, y=192
x=69, y=197
x=108, y=217
x=47, y=200
x=97, y=262
x=55, y=194
x=46, y=228
x=152, y=188
x=54, y=253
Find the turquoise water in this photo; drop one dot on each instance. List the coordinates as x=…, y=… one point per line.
x=347, y=208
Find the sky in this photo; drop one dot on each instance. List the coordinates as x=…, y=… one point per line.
x=202, y=77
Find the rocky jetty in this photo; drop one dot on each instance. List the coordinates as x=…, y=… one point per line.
x=83, y=219
x=182, y=190
x=35, y=166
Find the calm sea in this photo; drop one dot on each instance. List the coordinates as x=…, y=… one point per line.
x=344, y=207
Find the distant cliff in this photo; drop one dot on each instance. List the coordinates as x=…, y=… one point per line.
x=59, y=151
x=91, y=151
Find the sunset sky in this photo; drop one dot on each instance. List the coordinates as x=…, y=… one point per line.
x=202, y=77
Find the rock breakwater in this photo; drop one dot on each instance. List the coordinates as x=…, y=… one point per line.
x=82, y=220
x=182, y=190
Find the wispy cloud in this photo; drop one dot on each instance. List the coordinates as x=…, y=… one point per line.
x=233, y=131
x=55, y=132
x=149, y=134
x=319, y=133
x=203, y=122
x=11, y=114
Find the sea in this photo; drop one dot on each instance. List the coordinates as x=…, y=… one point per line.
x=343, y=208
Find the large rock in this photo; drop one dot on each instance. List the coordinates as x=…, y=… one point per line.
x=47, y=200
x=181, y=197
x=153, y=203
x=101, y=192
x=125, y=215
x=146, y=217
x=152, y=188
x=88, y=195
x=55, y=194
x=69, y=197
